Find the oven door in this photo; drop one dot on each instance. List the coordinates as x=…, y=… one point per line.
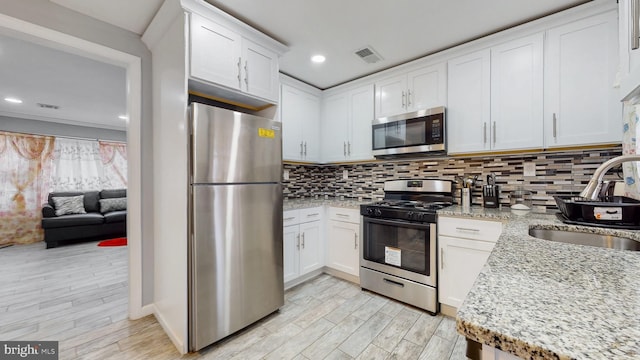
x=401, y=248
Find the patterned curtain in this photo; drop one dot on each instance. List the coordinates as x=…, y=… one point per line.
x=76, y=165
x=630, y=146
x=24, y=185
x=114, y=160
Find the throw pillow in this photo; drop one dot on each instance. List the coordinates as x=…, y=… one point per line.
x=113, y=204
x=69, y=205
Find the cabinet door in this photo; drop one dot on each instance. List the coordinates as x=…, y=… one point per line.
x=629, y=58
x=344, y=247
x=310, y=127
x=291, y=114
x=291, y=246
x=460, y=263
x=427, y=87
x=516, y=94
x=311, y=254
x=581, y=105
x=215, y=53
x=468, y=98
x=335, y=118
x=391, y=96
x=260, y=71
x=361, y=119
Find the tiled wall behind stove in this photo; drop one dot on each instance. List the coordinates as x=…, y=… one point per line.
x=561, y=173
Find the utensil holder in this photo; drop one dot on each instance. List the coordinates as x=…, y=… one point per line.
x=491, y=196
x=465, y=198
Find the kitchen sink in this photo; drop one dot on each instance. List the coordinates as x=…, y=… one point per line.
x=589, y=239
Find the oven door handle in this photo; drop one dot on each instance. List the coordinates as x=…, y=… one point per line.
x=396, y=222
x=393, y=282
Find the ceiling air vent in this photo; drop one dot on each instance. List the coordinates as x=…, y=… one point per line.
x=368, y=55
x=48, y=106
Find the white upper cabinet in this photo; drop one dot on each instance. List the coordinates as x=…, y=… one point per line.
x=516, y=94
x=346, y=125
x=581, y=104
x=221, y=56
x=496, y=99
x=300, y=117
x=468, y=109
x=420, y=89
x=629, y=57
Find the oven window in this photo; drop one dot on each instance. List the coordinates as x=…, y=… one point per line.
x=387, y=242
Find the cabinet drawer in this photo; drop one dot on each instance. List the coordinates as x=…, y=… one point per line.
x=311, y=214
x=342, y=214
x=290, y=217
x=485, y=230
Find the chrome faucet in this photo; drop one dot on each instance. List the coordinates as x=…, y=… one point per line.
x=593, y=187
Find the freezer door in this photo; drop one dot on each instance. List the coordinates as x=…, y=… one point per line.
x=236, y=274
x=233, y=147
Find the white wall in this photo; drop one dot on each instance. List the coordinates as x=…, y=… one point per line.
x=47, y=14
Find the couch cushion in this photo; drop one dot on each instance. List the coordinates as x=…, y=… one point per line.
x=113, y=204
x=72, y=220
x=115, y=193
x=66, y=205
x=115, y=216
x=91, y=198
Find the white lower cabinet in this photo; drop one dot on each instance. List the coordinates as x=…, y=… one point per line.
x=464, y=245
x=343, y=240
x=303, y=248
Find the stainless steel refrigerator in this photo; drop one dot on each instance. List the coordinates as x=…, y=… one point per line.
x=235, y=240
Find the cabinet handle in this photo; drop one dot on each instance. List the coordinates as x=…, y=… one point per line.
x=239, y=72
x=349, y=148
x=408, y=98
x=403, y=99
x=467, y=229
x=246, y=74
x=314, y=214
x=355, y=241
x=484, y=132
x=289, y=218
x=298, y=241
x=393, y=282
x=342, y=215
x=441, y=258
x=305, y=148
x=555, y=120
x=303, y=240
x=344, y=148
x=635, y=24
x=301, y=149
x=494, y=133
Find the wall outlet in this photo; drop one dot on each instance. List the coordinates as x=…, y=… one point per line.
x=285, y=175
x=529, y=169
x=345, y=174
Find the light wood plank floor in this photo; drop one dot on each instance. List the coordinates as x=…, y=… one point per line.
x=77, y=295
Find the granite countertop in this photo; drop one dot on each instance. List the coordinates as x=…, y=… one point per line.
x=312, y=202
x=540, y=299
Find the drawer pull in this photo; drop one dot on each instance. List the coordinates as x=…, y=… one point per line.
x=314, y=214
x=467, y=229
x=342, y=215
x=393, y=282
x=289, y=218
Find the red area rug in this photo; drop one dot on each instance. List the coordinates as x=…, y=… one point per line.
x=114, y=242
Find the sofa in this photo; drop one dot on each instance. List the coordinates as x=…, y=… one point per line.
x=74, y=216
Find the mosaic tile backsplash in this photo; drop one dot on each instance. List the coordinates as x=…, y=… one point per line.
x=557, y=173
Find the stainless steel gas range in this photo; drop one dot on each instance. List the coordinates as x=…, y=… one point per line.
x=398, y=257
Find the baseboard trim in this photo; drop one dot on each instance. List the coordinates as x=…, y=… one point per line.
x=448, y=310
x=303, y=278
x=180, y=346
x=138, y=313
x=342, y=275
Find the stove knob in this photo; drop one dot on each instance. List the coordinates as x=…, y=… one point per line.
x=377, y=212
x=369, y=211
x=410, y=215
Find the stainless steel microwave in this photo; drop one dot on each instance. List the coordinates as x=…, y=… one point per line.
x=419, y=132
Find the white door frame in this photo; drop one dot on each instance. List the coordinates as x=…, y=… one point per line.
x=132, y=64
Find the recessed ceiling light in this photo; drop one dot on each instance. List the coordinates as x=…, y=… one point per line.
x=123, y=117
x=13, y=100
x=318, y=59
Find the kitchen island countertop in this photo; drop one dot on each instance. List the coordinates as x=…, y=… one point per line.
x=540, y=299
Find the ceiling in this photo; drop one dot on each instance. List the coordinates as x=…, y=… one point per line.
x=90, y=92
